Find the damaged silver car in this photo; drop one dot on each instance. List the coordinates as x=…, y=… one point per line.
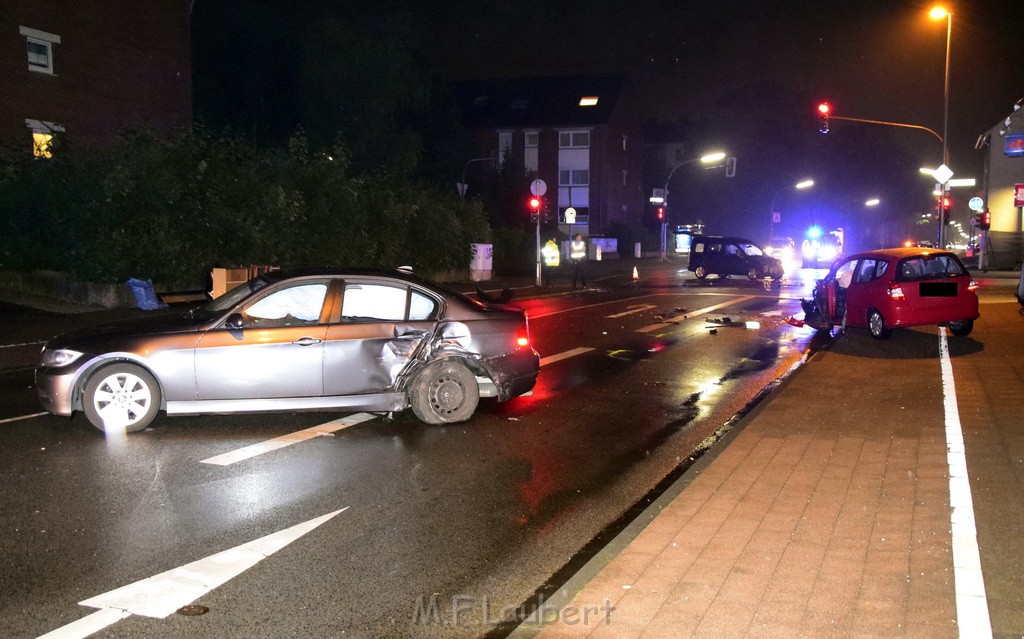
x=296, y=340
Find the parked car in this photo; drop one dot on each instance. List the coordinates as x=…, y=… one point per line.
x=884, y=289
x=300, y=339
x=724, y=256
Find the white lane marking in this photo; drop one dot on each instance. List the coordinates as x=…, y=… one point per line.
x=772, y=314
x=160, y=595
x=551, y=359
x=88, y=625
x=636, y=308
x=971, y=602
x=22, y=344
x=226, y=459
x=679, y=318
x=21, y=418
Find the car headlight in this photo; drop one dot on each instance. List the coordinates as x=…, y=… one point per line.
x=56, y=358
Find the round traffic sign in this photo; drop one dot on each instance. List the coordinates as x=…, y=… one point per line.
x=976, y=204
x=538, y=187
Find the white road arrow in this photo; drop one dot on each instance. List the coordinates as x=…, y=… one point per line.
x=160, y=595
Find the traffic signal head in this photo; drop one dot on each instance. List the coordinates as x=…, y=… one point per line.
x=661, y=213
x=984, y=220
x=946, y=203
x=823, y=110
x=534, y=203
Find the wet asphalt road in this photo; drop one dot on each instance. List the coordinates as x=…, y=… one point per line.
x=471, y=518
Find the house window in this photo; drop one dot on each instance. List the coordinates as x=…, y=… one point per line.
x=531, y=142
x=504, y=146
x=574, y=177
x=573, y=139
x=40, y=49
x=42, y=136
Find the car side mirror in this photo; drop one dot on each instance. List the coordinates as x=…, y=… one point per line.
x=234, y=322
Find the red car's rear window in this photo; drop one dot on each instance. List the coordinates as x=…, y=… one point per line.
x=926, y=267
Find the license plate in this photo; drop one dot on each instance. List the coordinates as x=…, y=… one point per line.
x=938, y=289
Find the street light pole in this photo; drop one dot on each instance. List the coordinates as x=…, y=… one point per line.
x=704, y=159
x=803, y=184
x=938, y=13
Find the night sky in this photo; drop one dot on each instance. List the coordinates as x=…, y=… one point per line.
x=747, y=76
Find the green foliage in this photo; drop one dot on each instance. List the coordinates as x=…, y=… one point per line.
x=169, y=209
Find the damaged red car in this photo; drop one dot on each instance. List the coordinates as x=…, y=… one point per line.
x=899, y=287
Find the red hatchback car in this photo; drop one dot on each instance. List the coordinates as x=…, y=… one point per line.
x=880, y=290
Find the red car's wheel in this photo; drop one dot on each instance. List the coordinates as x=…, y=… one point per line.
x=876, y=324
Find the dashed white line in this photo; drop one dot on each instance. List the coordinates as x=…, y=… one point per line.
x=226, y=459
x=679, y=318
x=971, y=601
x=637, y=308
x=551, y=359
x=21, y=418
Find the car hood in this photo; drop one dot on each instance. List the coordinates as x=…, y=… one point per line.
x=163, y=322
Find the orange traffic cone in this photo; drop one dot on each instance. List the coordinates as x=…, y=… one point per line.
x=636, y=274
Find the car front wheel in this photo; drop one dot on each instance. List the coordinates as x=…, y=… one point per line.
x=443, y=393
x=876, y=324
x=962, y=328
x=753, y=274
x=121, y=398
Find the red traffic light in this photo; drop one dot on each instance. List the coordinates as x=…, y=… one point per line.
x=661, y=213
x=985, y=220
x=534, y=203
x=946, y=203
x=824, y=108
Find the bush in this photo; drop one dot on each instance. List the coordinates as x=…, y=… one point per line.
x=169, y=209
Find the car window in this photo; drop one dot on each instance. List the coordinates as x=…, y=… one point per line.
x=698, y=247
x=929, y=267
x=750, y=249
x=881, y=268
x=844, y=274
x=381, y=302
x=865, y=271
x=714, y=248
x=289, y=306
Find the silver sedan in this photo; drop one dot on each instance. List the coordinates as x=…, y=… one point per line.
x=300, y=339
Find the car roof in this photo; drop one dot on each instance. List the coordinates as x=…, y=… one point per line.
x=900, y=253
x=724, y=238
x=282, y=274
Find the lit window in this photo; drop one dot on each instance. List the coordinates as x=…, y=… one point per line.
x=40, y=49
x=42, y=137
x=590, y=100
x=41, y=144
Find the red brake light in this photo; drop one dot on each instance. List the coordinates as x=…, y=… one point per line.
x=523, y=336
x=895, y=291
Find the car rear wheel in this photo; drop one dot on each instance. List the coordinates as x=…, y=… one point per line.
x=753, y=274
x=876, y=324
x=962, y=328
x=443, y=393
x=121, y=398
x=700, y=272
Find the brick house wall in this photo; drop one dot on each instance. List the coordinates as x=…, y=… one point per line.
x=118, y=64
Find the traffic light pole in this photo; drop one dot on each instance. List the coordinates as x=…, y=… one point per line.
x=540, y=281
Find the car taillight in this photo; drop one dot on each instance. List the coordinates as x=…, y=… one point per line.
x=523, y=336
x=972, y=285
x=895, y=291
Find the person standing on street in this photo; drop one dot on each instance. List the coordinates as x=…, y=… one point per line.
x=578, y=257
x=550, y=253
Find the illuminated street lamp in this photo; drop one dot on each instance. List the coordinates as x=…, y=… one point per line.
x=872, y=202
x=709, y=158
x=801, y=185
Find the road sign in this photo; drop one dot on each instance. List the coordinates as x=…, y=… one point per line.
x=570, y=215
x=942, y=174
x=976, y=204
x=1018, y=194
x=776, y=217
x=538, y=187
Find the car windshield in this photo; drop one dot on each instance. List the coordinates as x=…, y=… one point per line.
x=750, y=249
x=923, y=267
x=229, y=300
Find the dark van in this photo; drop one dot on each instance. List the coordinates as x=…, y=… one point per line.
x=725, y=256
